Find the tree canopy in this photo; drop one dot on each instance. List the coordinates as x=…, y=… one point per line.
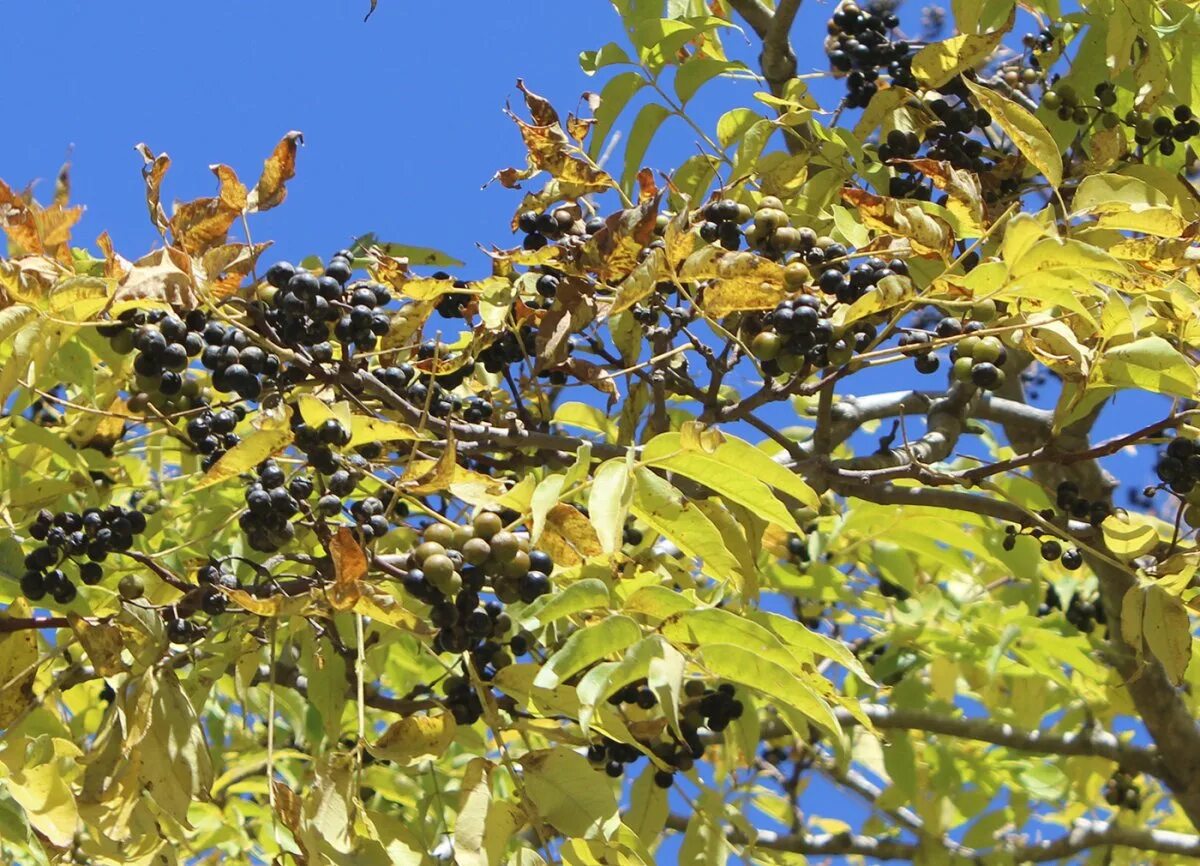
x=630, y=549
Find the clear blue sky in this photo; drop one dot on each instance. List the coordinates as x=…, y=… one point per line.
x=402, y=118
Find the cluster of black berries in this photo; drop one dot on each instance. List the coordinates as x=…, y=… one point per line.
x=892, y=590
x=1043, y=40
x=181, y=630
x=949, y=139
x=271, y=502
x=85, y=538
x=1179, y=128
x=541, y=228
x=1122, y=792
x=710, y=708
x=462, y=700
x=613, y=756
x=1051, y=548
x=342, y=472
x=303, y=306
x=211, y=433
x=1179, y=466
x=1072, y=504
x=859, y=45
x=637, y=693
x=507, y=348
x=370, y=517
x=237, y=366
x=722, y=223
x=899, y=145
x=452, y=305
x=1084, y=615
x=451, y=567
x=163, y=343
x=213, y=577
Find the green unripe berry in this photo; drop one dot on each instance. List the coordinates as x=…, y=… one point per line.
x=989, y=350
x=476, y=551
x=504, y=546
x=766, y=345
x=1051, y=100
x=131, y=587
x=439, y=533
x=428, y=549
x=796, y=275
x=487, y=524
x=961, y=372
x=967, y=346
x=983, y=311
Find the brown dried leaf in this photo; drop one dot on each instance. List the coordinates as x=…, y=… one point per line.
x=574, y=311
x=278, y=169
x=114, y=265
x=152, y=173
x=594, y=375
x=647, y=188
x=579, y=127
x=613, y=251
x=349, y=566
x=159, y=276
x=200, y=225
x=62, y=186
x=929, y=235
x=540, y=109
x=963, y=190
x=224, y=268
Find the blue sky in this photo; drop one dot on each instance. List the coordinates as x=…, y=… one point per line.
x=402, y=117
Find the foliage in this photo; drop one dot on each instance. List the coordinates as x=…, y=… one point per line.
x=291, y=579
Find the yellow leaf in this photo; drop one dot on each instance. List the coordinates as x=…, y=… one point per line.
x=18, y=665
x=608, y=502
x=101, y=642
x=1033, y=140
x=929, y=235
x=416, y=738
x=569, y=537
x=252, y=450
x=1129, y=534
x=936, y=64
x=1168, y=632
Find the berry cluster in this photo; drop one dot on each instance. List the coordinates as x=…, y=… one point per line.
x=461, y=700
x=270, y=505
x=859, y=44
x=85, y=538
x=613, y=756
x=710, y=708
x=541, y=228
x=1084, y=615
x=163, y=343
x=1072, y=504
x=451, y=567
x=637, y=693
x=213, y=577
x=979, y=360
x=453, y=305
x=508, y=348
x=722, y=224
x=237, y=366
x=1179, y=467
x=1122, y=792
x=304, y=306
x=211, y=433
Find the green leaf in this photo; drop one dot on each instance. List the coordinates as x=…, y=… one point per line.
x=1031, y=138
x=647, y=122
x=1168, y=632
x=587, y=594
x=647, y=812
x=697, y=72
x=609, y=55
x=417, y=256
x=568, y=794
x=586, y=646
x=772, y=680
x=720, y=472
x=664, y=508
x=613, y=98
x=734, y=124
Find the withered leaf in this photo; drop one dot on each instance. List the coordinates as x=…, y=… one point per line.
x=278, y=169
x=204, y=223
x=929, y=235
x=612, y=252
x=152, y=173
x=159, y=276
x=349, y=566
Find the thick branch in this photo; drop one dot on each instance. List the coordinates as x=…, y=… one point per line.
x=1088, y=743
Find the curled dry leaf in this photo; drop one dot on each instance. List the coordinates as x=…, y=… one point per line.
x=278, y=169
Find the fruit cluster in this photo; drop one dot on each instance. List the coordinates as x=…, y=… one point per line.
x=613, y=756
x=1179, y=466
x=213, y=577
x=236, y=364
x=86, y=539
x=1084, y=615
x=450, y=568
x=162, y=342
x=710, y=708
x=1067, y=498
x=304, y=306
x=461, y=700
x=270, y=505
x=211, y=433
x=859, y=45
x=1122, y=792
x=723, y=222
x=978, y=360
x=541, y=228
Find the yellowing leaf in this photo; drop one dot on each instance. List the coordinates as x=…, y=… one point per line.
x=588, y=645
x=608, y=502
x=415, y=738
x=101, y=642
x=18, y=665
x=1031, y=138
x=1128, y=204
x=929, y=235
x=936, y=64
x=567, y=793
x=1129, y=534
x=569, y=537
x=367, y=429
x=663, y=507
x=771, y=679
x=248, y=453
x=1151, y=364
x=1168, y=632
